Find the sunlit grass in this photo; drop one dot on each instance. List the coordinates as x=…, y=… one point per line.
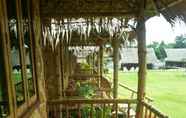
x=167, y=88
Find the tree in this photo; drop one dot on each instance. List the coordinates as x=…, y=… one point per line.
x=180, y=41
x=159, y=49
x=162, y=47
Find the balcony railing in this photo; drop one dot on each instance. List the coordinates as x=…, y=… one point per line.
x=92, y=108
x=134, y=92
x=99, y=108
x=150, y=112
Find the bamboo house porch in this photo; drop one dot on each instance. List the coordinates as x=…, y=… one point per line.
x=52, y=56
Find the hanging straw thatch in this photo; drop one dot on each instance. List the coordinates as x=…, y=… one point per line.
x=86, y=22
x=86, y=30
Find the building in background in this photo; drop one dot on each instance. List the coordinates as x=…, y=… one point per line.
x=129, y=58
x=175, y=58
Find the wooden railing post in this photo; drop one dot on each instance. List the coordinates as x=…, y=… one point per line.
x=141, y=32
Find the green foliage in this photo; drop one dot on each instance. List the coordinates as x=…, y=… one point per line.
x=180, y=42
x=159, y=50
x=85, y=66
x=85, y=90
x=97, y=112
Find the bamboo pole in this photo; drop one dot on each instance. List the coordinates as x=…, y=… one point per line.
x=98, y=67
x=115, y=63
x=101, y=63
x=141, y=32
x=61, y=70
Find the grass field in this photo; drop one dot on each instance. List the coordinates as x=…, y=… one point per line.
x=167, y=88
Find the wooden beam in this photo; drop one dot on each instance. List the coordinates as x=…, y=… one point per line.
x=91, y=101
x=172, y=4
x=141, y=32
x=86, y=15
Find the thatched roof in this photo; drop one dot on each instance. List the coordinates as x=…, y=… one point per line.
x=112, y=17
x=174, y=10
x=176, y=55
x=109, y=8
x=130, y=55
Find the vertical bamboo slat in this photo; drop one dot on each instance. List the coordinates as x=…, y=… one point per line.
x=128, y=111
x=116, y=109
x=150, y=114
x=91, y=111
x=146, y=112
x=67, y=112
x=104, y=110
x=79, y=111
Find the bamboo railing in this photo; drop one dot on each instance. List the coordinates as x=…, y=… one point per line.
x=65, y=108
x=150, y=112
x=133, y=92
x=125, y=108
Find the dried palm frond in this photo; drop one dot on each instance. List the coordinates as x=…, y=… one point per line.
x=65, y=29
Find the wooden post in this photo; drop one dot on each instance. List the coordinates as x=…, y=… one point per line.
x=101, y=62
x=98, y=67
x=115, y=63
x=141, y=32
x=61, y=70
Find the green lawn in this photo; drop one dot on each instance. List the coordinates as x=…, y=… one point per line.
x=167, y=88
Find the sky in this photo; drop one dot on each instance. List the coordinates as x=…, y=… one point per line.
x=158, y=29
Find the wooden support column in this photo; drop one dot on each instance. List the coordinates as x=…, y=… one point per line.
x=61, y=88
x=98, y=66
x=115, y=63
x=141, y=32
x=101, y=62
